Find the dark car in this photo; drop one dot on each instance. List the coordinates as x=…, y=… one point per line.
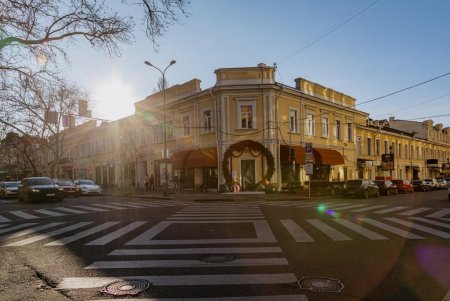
x=39, y=189
x=420, y=185
x=8, y=189
x=68, y=186
x=386, y=187
x=403, y=186
x=361, y=188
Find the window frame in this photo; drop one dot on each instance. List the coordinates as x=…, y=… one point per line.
x=247, y=103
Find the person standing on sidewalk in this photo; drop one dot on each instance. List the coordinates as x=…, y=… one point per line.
x=146, y=181
x=152, y=182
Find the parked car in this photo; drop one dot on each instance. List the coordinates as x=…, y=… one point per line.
x=362, y=188
x=403, y=186
x=88, y=187
x=442, y=183
x=8, y=189
x=39, y=188
x=386, y=187
x=420, y=185
x=432, y=183
x=68, y=186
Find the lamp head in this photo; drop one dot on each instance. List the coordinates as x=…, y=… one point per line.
x=148, y=63
x=172, y=62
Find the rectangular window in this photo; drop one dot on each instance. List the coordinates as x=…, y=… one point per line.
x=293, y=125
x=186, y=126
x=169, y=129
x=325, y=132
x=349, y=132
x=338, y=130
x=377, y=147
x=369, y=146
x=246, y=116
x=359, y=145
x=411, y=152
x=310, y=124
x=386, y=149
x=207, y=121
x=406, y=151
x=399, y=150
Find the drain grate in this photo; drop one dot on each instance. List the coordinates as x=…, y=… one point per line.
x=321, y=284
x=217, y=258
x=126, y=287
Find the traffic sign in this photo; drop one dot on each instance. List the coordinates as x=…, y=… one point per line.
x=309, y=169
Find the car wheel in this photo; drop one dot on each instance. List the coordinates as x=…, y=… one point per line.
x=378, y=193
x=366, y=194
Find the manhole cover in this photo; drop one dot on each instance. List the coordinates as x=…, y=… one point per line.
x=218, y=258
x=321, y=284
x=126, y=287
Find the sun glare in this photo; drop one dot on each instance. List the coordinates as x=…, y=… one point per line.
x=113, y=99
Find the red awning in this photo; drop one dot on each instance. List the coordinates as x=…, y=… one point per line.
x=206, y=157
x=320, y=155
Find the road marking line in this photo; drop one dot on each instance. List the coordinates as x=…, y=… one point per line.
x=425, y=220
x=391, y=229
x=47, y=235
x=28, y=231
x=128, y=205
x=140, y=264
x=91, y=208
x=419, y=227
x=250, y=250
x=216, y=214
x=447, y=297
x=159, y=280
x=328, y=231
x=349, y=207
x=116, y=234
x=358, y=229
x=23, y=214
x=440, y=213
x=217, y=218
x=70, y=210
x=391, y=209
x=16, y=227
x=415, y=211
x=297, y=233
x=246, y=298
x=4, y=219
x=368, y=208
x=332, y=206
x=311, y=205
x=69, y=239
x=263, y=231
x=48, y=212
x=111, y=206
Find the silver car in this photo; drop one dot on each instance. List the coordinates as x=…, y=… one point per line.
x=442, y=183
x=88, y=187
x=9, y=189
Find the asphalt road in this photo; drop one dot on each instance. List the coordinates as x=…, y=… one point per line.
x=387, y=248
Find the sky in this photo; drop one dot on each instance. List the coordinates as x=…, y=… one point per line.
x=363, y=48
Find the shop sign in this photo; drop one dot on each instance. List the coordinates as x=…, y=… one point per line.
x=387, y=162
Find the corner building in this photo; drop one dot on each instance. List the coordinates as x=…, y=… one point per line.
x=248, y=127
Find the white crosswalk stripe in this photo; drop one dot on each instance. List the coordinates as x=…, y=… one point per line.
x=66, y=240
x=440, y=213
x=109, y=206
x=361, y=230
x=368, y=208
x=116, y=234
x=349, y=207
x=414, y=211
x=70, y=210
x=388, y=210
x=254, y=250
x=391, y=229
x=47, y=235
x=296, y=232
x=16, y=227
x=48, y=212
x=428, y=221
x=419, y=227
x=4, y=219
x=328, y=231
x=28, y=231
x=247, y=298
x=23, y=215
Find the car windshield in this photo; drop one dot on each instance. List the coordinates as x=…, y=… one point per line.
x=40, y=181
x=354, y=182
x=64, y=182
x=11, y=184
x=86, y=182
x=417, y=182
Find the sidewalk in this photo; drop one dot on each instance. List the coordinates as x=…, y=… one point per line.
x=206, y=196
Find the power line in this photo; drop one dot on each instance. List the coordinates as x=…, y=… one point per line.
x=402, y=90
x=329, y=32
x=420, y=103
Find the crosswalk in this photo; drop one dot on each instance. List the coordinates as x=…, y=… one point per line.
x=149, y=244
x=20, y=215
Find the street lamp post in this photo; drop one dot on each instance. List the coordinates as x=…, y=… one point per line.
x=163, y=73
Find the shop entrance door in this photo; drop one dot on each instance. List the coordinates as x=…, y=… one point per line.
x=248, y=174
